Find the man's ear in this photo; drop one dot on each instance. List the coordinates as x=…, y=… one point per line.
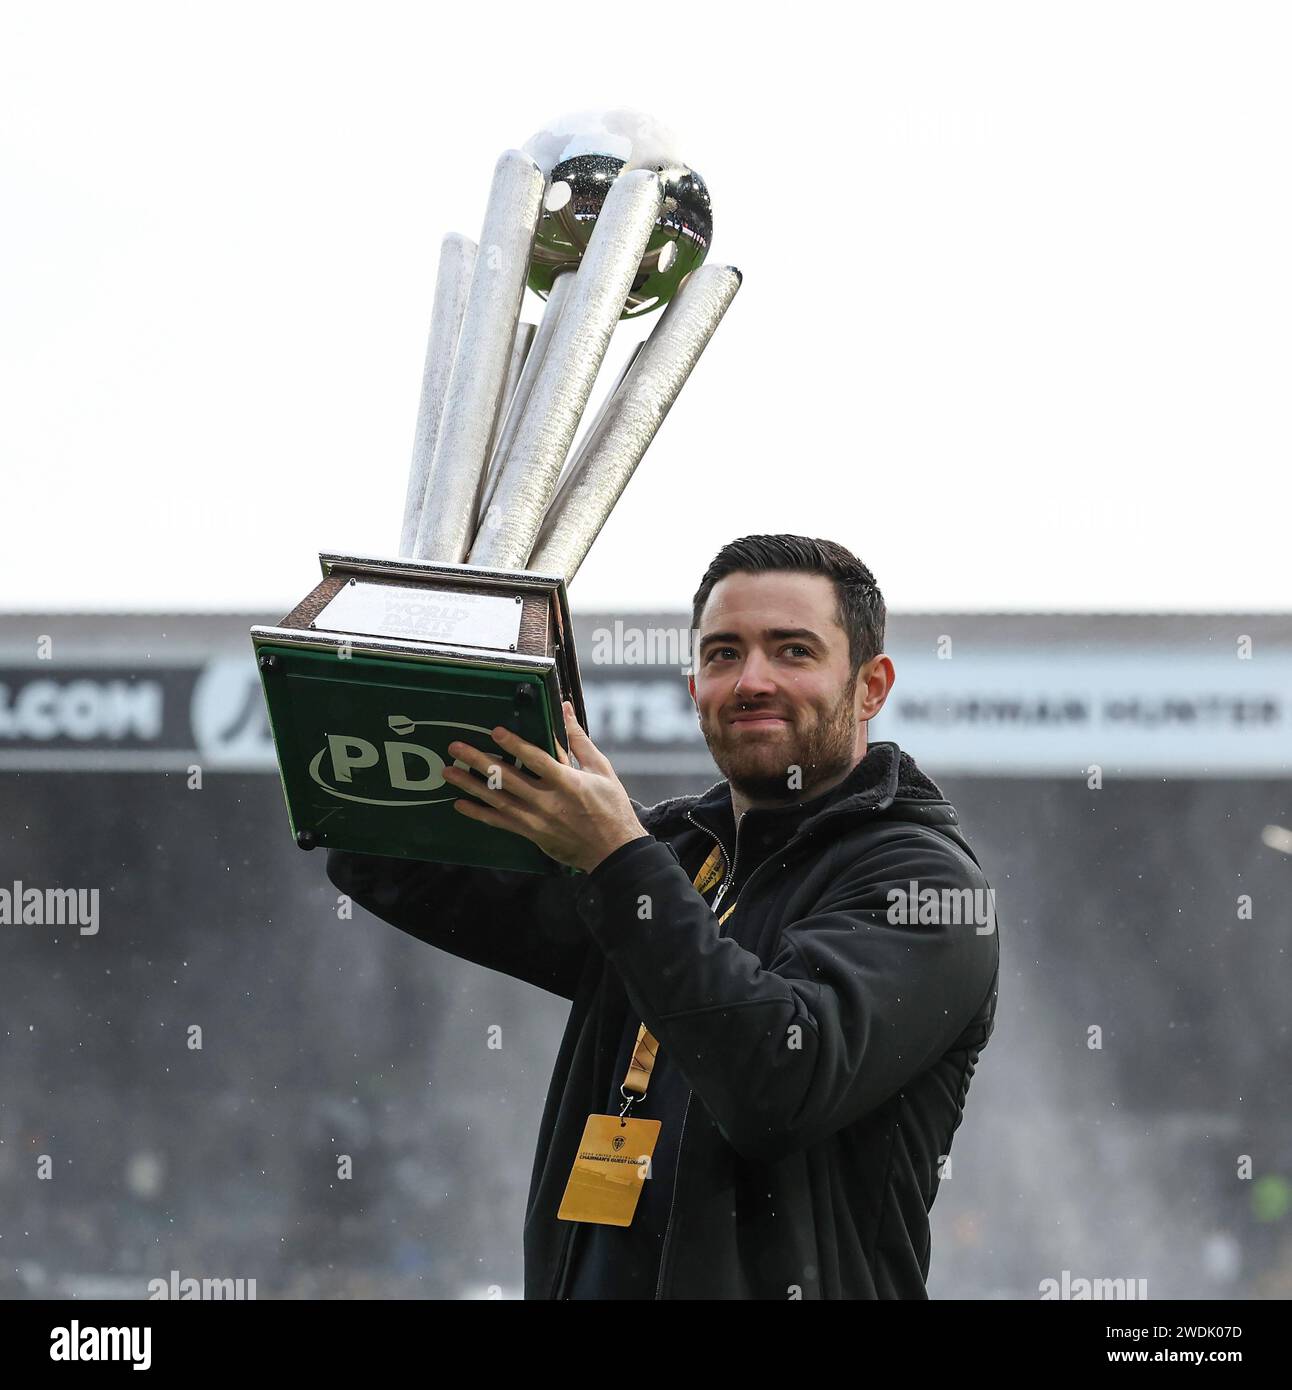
x=876, y=680
x=690, y=685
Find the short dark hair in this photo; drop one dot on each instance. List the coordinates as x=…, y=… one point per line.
x=861, y=611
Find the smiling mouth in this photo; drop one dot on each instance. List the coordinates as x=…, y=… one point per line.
x=759, y=721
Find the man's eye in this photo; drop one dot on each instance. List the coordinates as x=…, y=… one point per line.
x=798, y=647
x=718, y=651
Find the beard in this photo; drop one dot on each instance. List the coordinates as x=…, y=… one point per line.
x=759, y=768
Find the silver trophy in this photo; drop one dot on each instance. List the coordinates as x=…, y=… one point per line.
x=599, y=216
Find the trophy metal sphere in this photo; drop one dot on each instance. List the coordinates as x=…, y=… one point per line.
x=581, y=156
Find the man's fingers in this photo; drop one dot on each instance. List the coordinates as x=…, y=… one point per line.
x=511, y=779
x=510, y=792
x=590, y=757
x=511, y=819
x=473, y=810
x=472, y=786
x=540, y=763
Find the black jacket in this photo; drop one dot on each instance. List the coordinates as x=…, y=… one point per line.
x=826, y=1044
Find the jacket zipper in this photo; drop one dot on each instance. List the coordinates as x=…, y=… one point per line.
x=731, y=877
x=722, y=849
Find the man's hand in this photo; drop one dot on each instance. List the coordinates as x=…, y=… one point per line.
x=577, y=816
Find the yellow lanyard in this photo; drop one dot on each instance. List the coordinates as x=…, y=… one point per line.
x=643, y=1059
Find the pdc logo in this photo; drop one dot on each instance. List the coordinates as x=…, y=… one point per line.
x=348, y=766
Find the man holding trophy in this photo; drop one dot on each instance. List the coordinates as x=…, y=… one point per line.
x=777, y=999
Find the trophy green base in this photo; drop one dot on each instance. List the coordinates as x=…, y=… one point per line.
x=383, y=665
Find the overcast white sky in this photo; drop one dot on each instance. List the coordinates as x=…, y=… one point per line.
x=1014, y=323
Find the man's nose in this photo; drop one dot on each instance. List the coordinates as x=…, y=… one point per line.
x=755, y=676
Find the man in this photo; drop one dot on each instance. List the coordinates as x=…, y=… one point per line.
x=793, y=940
